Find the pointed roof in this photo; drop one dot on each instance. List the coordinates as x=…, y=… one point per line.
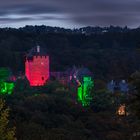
x=37, y=51
x=79, y=72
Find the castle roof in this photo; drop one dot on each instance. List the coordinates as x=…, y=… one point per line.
x=80, y=72
x=37, y=51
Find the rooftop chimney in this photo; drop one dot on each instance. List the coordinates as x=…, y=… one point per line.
x=38, y=48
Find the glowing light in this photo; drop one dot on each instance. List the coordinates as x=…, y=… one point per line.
x=6, y=87
x=122, y=110
x=37, y=70
x=84, y=91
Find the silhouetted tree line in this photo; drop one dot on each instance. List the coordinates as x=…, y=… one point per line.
x=111, y=54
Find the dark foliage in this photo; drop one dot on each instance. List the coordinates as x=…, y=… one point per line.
x=110, y=54
x=50, y=113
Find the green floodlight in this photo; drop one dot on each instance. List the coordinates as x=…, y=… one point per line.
x=6, y=87
x=84, y=91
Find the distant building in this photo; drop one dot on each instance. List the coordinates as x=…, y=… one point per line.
x=37, y=67
x=111, y=86
x=68, y=77
x=121, y=86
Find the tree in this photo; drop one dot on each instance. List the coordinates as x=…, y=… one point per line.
x=6, y=133
x=135, y=99
x=103, y=101
x=22, y=85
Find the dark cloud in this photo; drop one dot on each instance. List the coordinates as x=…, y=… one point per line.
x=12, y=20
x=71, y=12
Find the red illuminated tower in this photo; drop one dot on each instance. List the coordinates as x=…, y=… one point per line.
x=37, y=67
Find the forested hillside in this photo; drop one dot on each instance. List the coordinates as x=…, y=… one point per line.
x=52, y=111
x=107, y=52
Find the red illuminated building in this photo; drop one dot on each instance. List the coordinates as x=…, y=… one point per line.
x=37, y=67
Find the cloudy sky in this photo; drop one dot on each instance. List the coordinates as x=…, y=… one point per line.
x=69, y=13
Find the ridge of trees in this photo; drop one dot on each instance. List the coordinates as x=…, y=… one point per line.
x=109, y=55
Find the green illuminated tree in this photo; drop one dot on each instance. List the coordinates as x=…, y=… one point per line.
x=6, y=133
x=85, y=91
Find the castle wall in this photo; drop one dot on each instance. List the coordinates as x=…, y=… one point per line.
x=37, y=70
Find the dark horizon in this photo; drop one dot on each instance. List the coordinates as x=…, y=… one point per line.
x=131, y=28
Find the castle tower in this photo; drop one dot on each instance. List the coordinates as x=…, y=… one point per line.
x=37, y=67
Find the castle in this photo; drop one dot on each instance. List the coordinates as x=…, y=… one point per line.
x=37, y=72
x=37, y=67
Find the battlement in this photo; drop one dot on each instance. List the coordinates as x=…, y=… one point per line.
x=37, y=68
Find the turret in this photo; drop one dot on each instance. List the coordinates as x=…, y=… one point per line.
x=37, y=66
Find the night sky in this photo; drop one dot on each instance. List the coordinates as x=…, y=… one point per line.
x=70, y=13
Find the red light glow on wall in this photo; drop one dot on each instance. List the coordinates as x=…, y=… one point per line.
x=37, y=70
